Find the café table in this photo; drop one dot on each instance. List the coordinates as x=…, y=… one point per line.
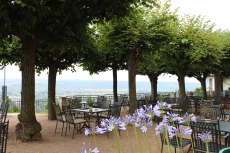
x=88, y=113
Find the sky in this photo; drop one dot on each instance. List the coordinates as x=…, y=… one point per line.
x=217, y=11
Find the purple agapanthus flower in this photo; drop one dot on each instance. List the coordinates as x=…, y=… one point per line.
x=163, y=105
x=184, y=131
x=172, y=117
x=165, y=127
x=143, y=124
x=86, y=149
x=94, y=130
x=205, y=137
x=189, y=117
x=113, y=124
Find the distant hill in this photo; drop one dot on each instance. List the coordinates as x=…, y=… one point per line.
x=73, y=87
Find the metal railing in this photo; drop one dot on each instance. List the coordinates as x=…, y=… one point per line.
x=41, y=106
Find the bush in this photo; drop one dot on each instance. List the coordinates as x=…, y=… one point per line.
x=14, y=109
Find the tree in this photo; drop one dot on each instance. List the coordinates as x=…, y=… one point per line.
x=210, y=55
x=163, y=23
x=106, y=57
x=62, y=54
x=192, y=45
x=44, y=20
x=135, y=35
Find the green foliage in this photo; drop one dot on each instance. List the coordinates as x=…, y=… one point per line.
x=14, y=109
x=46, y=106
x=161, y=98
x=198, y=91
x=90, y=102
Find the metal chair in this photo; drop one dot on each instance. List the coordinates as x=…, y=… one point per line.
x=4, y=111
x=170, y=100
x=70, y=120
x=210, y=112
x=125, y=102
x=204, y=125
x=178, y=108
x=3, y=136
x=176, y=141
x=59, y=116
x=141, y=103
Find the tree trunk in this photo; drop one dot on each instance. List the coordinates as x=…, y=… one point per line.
x=28, y=128
x=153, y=81
x=181, y=82
x=115, y=85
x=218, y=82
x=52, y=90
x=132, y=68
x=203, y=87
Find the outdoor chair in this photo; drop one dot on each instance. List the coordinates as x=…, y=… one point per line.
x=3, y=136
x=178, y=107
x=175, y=142
x=170, y=100
x=75, y=122
x=66, y=108
x=59, y=116
x=114, y=110
x=3, y=111
x=227, y=99
x=213, y=112
x=204, y=125
x=125, y=103
x=105, y=104
x=141, y=103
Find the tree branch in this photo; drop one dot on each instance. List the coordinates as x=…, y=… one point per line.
x=61, y=25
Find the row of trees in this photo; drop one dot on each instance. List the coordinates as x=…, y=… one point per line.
x=142, y=37
x=39, y=34
x=152, y=41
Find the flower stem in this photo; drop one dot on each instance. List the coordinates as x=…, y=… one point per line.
x=146, y=135
x=207, y=147
x=154, y=131
x=127, y=133
x=116, y=141
x=138, y=143
x=119, y=142
x=95, y=141
x=143, y=133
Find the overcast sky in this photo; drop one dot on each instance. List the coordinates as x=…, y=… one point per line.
x=217, y=11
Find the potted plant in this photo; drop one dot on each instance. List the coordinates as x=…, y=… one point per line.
x=90, y=103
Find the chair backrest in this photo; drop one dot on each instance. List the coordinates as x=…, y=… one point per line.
x=4, y=111
x=141, y=102
x=58, y=112
x=170, y=100
x=69, y=117
x=105, y=104
x=3, y=135
x=210, y=112
x=204, y=125
x=115, y=110
x=125, y=101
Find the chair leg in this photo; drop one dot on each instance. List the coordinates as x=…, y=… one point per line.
x=62, y=128
x=66, y=128
x=56, y=127
x=73, y=130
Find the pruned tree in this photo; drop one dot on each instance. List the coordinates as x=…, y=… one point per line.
x=106, y=57
x=36, y=21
